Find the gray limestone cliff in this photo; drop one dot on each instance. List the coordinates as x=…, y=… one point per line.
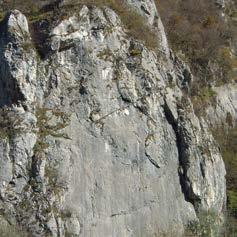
x=224, y=112
x=99, y=138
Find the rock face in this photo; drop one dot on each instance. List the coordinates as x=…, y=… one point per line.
x=99, y=139
x=224, y=113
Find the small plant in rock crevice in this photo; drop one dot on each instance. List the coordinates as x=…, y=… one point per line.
x=206, y=226
x=10, y=125
x=105, y=54
x=47, y=128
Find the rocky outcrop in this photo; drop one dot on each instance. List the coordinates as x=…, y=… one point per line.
x=99, y=137
x=224, y=111
x=149, y=11
x=18, y=64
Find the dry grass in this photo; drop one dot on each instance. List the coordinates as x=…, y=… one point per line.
x=29, y=7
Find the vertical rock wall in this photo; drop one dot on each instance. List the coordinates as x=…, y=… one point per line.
x=98, y=138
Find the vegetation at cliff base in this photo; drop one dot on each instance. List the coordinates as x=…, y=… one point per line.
x=7, y=230
x=228, y=144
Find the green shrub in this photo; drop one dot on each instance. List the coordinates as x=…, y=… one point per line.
x=227, y=140
x=230, y=227
x=232, y=202
x=207, y=226
x=7, y=230
x=228, y=144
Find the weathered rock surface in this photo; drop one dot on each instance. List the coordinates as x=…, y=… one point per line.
x=224, y=112
x=97, y=140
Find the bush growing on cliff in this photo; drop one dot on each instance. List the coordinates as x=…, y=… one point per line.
x=228, y=144
x=230, y=229
x=207, y=225
x=7, y=230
